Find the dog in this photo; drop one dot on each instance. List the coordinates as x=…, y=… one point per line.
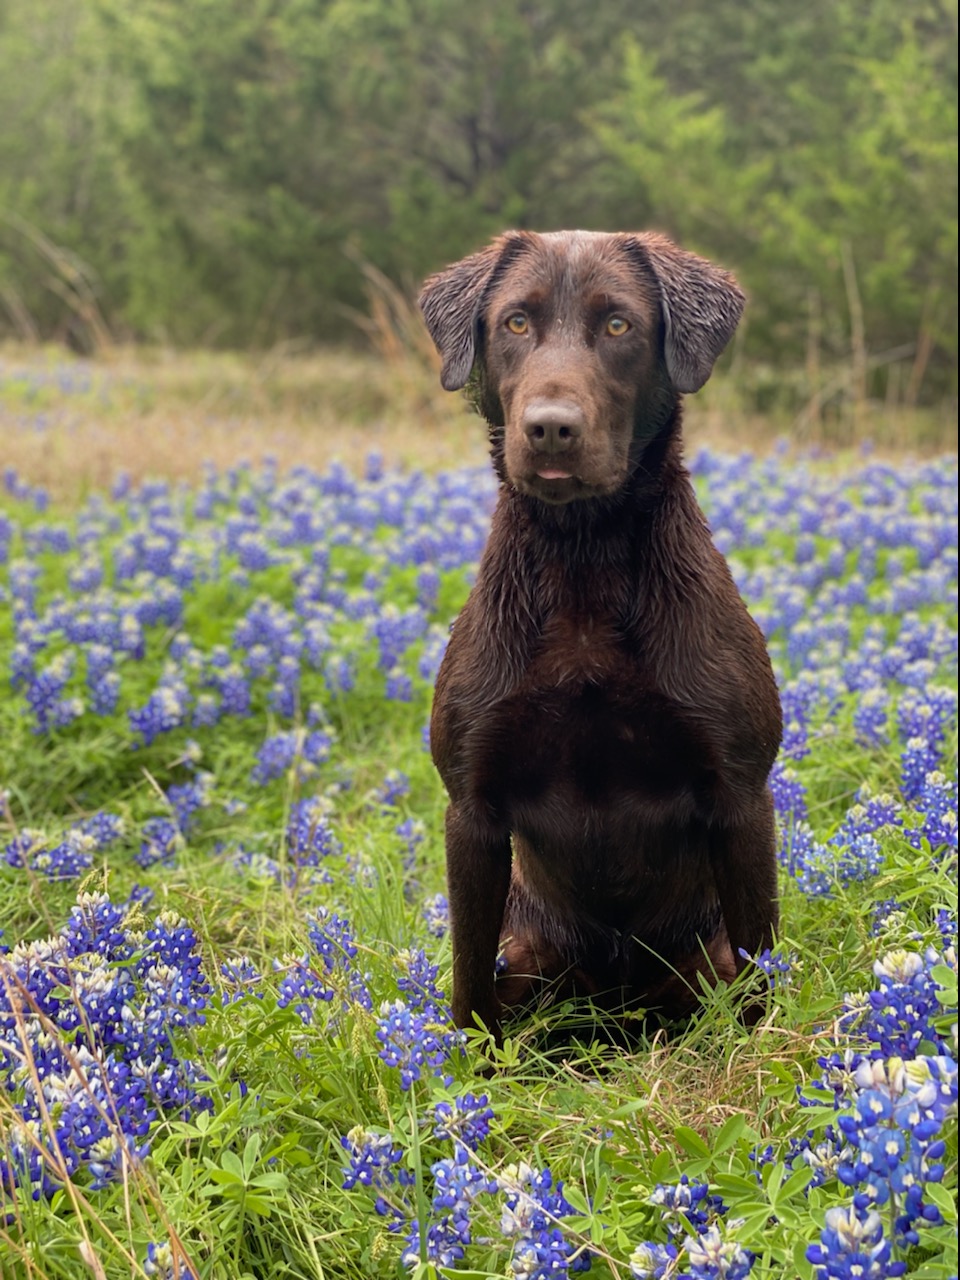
x=605, y=716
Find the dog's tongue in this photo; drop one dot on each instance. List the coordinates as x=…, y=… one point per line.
x=552, y=473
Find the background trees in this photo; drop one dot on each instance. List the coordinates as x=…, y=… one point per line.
x=211, y=171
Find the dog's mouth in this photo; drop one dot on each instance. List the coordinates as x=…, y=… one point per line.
x=553, y=484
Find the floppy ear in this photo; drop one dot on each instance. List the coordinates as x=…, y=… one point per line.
x=451, y=302
x=702, y=305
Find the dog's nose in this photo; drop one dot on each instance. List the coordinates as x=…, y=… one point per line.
x=553, y=426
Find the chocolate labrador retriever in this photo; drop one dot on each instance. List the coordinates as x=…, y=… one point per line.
x=605, y=716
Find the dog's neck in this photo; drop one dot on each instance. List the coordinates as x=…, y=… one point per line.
x=609, y=557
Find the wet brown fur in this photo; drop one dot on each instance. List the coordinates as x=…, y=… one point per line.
x=605, y=716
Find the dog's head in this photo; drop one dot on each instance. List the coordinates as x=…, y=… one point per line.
x=580, y=343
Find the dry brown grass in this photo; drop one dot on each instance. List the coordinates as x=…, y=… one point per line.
x=71, y=425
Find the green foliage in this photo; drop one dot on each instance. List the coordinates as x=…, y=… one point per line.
x=210, y=172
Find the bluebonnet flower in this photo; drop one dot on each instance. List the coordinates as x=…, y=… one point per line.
x=258, y=661
x=48, y=537
x=241, y=977
x=104, y=828
x=820, y=1151
x=309, y=838
x=789, y=794
x=399, y=686
x=927, y=716
x=23, y=664
x=434, y=647
x=686, y=1204
x=284, y=695
x=893, y=1148
x=414, y=1040
x=464, y=1119
x=819, y=868
x=253, y=551
x=300, y=986
x=457, y=1183
x=428, y=587
x=164, y=710
x=650, y=1261
x=332, y=937
x=46, y=695
x=436, y=913
x=339, y=672
x=919, y=758
x=776, y=968
x=260, y=866
x=394, y=786
x=712, y=1256
x=294, y=746
x=530, y=1213
x=375, y=1163
x=868, y=815
x=161, y=841
x=186, y=798
x=839, y=1076
x=936, y=803
x=885, y=915
x=165, y=1265
x=395, y=630
x=418, y=978
x=100, y=660
x=412, y=831
x=898, y=1017
x=59, y=860
x=206, y=711
x=317, y=641
x=105, y=694
x=234, y=690
x=114, y=993
x=853, y=1247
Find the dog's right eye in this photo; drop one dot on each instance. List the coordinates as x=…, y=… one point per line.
x=518, y=323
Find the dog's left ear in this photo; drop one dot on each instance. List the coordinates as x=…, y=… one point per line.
x=702, y=305
x=452, y=300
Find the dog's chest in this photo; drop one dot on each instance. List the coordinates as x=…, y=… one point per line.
x=575, y=651
x=588, y=726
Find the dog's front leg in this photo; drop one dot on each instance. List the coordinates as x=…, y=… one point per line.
x=478, y=877
x=743, y=855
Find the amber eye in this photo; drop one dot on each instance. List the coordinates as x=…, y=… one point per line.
x=518, y=323
x=617, y=326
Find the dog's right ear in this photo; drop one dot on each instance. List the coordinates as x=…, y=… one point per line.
x=452, y=300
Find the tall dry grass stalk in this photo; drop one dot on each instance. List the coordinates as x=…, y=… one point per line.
x=71, y=279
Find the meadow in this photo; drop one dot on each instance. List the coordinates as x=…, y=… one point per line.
x=225, y=1047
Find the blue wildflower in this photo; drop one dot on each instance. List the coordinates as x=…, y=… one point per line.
x=414, y=1040
x=853, y=1247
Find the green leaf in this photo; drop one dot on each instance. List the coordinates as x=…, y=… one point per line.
x=251, y=1151
x=232, y=1163
x=941, y=1197
x=576, y=1198
x=691, y=1142
x=805, y=1269
x=796, y=1184
x=629, y=1108
x=730, y=1133
x=275, y=1181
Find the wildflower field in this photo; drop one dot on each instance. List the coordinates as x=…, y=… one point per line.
x=225, y=1047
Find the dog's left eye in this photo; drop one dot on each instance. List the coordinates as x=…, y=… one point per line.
x=617, y=326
